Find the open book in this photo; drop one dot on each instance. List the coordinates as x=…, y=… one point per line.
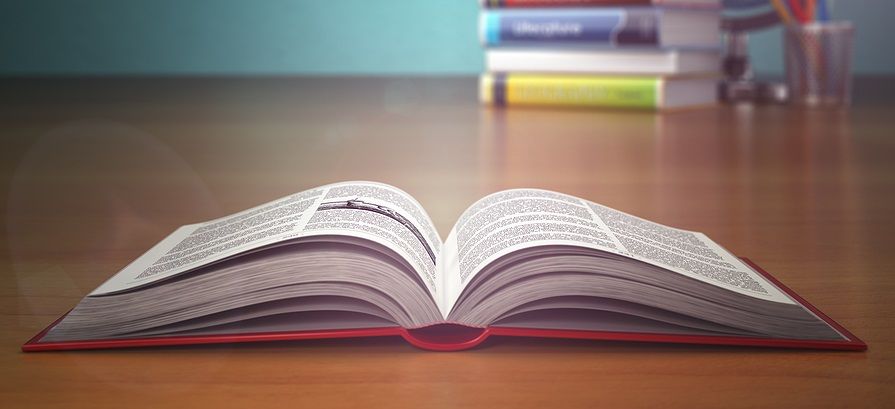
x=364, y=259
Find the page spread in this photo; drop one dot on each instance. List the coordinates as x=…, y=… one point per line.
x=512, y=220
x=368, y=210
x=494, y=226
x=366, y=255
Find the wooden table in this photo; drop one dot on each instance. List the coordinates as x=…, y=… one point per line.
x=93, y=172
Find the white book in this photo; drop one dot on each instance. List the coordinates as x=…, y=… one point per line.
x=710, y=4
x=645, y=62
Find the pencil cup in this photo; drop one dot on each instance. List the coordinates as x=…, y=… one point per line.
x=818, y=62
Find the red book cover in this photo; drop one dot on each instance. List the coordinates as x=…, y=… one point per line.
x=451, y=337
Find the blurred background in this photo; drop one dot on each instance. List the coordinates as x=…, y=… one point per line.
x=299, y=37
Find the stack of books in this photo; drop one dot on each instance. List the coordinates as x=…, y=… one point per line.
x=647, y=54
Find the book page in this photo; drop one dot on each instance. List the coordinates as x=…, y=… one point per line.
x=195, y=245
x=690, y=253
x=383, y=214
x=373, y=211
x=512, y=220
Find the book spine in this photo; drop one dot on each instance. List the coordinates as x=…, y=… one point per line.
x=573, y=91
x=584, y=27
x=495, y=4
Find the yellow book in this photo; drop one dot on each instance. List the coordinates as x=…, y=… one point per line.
x=636, y=92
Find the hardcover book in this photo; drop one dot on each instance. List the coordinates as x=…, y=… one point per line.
x=631, y=27
x=362, y=259
x=627, y=61
x=605, y=91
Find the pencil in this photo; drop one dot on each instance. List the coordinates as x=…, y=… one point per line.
x=797, y=11
x=782, y=11
x=823, y=10
x=809, y=10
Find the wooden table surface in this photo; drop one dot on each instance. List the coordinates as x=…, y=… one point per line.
x=94, y=171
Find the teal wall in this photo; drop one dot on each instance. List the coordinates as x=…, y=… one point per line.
x=233, y=37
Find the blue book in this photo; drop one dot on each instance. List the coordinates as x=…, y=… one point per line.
x=652, y=27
